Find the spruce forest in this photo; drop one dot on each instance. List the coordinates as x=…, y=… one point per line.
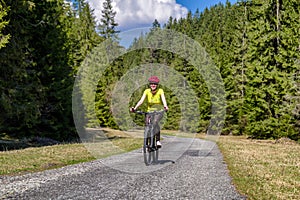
x=254, y=44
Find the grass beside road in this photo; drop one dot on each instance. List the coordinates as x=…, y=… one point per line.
x=42, y=158
x=263, y=169
x=36, y=159
x=260, y=169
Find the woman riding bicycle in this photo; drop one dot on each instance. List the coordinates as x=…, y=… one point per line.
x=155, y=101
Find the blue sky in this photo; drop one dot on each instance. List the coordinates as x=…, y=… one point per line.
x=136, y=16
x=201, y=4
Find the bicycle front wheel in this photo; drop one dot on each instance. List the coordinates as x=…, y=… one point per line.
x=155, y=152
x=148, y=153
x=146, y=147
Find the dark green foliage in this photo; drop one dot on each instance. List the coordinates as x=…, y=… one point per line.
x=256, y=47
x=36, y=82
x=270, y=66
x=253, y=44
x=37, y=68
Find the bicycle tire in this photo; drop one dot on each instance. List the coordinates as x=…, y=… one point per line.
x=146, y=148
x=155, y=152
x=147, y=153
x=150, y=153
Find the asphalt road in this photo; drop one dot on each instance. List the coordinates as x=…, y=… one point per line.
x=187, y=169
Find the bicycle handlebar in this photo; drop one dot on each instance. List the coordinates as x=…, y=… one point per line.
x=151, y=112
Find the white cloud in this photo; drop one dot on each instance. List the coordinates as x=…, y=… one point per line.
x=141, y=13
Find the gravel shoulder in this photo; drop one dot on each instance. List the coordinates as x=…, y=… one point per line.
x=195, y=171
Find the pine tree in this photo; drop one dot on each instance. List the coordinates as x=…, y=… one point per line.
x=268, y=73
x=290, y=58
x=233, y=73
x=155, y=24
x=3, y=12
x=107, y=29
x=20, y=88
x=51, y=50
x=108, y=25
x=84, y=36
x=35, y=70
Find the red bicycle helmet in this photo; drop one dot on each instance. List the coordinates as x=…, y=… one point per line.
x=153, y=79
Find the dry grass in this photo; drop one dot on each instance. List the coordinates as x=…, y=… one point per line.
x=42, y=158
x=263, y=169
x=178, y=133
x=49, y=157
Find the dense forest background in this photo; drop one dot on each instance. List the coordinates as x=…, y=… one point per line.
x=255, y=44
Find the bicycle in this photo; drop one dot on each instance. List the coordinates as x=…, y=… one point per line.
x=150, y=148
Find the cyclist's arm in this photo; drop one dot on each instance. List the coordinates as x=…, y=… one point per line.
x=163, y=98
x=141, y=101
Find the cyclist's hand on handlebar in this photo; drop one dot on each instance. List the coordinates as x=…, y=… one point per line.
x=166, y=108
x=132, y=109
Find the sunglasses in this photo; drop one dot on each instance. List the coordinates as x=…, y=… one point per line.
x=153, y=83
